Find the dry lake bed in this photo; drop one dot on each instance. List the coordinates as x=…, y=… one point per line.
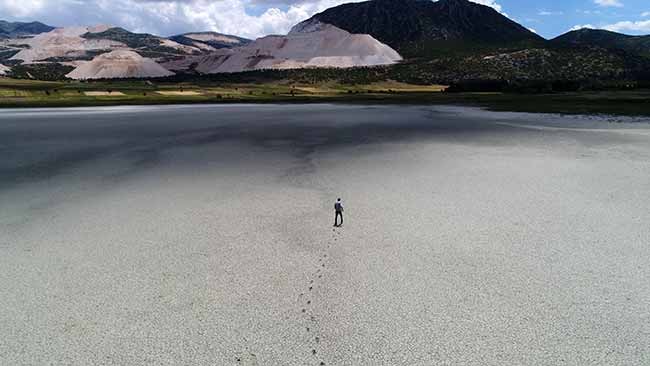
x=202, y=235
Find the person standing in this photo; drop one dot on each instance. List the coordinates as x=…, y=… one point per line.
x=338, y=208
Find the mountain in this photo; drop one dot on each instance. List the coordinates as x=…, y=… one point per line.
x=60, y=45
x=19, y=29
x=538, y=66
x=145, y=44
x=119, y=64
x=638, y=45
x=112, y=52
x=416, y=27
x=210, y=41
x=55, y=54
x=418, y=41
x=310, y=44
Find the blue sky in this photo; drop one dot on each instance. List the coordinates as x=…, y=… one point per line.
x=553, y=17
x=254, y=18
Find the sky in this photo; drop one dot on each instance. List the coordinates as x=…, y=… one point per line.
x=255, y=18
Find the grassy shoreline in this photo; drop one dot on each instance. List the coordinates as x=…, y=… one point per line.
x=36, y=94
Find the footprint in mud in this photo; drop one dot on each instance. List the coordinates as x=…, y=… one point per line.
x=319, y=272
x=247, y=359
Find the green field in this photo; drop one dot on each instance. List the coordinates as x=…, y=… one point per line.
x=29, y=93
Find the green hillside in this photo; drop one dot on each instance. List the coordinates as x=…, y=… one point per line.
x=637, y=45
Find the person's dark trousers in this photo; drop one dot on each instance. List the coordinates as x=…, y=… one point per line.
x=336, y=219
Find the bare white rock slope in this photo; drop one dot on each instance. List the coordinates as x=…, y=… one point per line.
x=207, y=37
x=64, y=42
x=119, y=64
x=4, y=69
x=309, y=44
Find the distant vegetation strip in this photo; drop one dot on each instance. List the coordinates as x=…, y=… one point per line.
x=25, y=93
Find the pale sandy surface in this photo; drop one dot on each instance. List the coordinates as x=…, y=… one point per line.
x=191, y=236
x=103, y=93
x=178, y=92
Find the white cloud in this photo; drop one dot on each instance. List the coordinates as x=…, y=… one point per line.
x=609, y=3
x=638, y=27
x=589, y=12
x=642, y=26
x=583, y=26
x=490, y=3
x=21, y=8
x=247, y=18
x=167, y=17
x=549, y=13
x=645, y=14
